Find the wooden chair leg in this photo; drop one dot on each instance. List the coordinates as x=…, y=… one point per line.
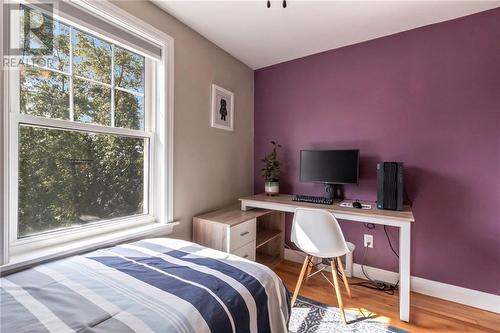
x=309, y=269
x=344, y=278
x=337, y=291
x=301, y=278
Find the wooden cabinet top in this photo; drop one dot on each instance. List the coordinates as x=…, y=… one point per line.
x=232, y=215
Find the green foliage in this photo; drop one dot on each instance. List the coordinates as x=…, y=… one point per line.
x=71, y=178
x=271, y=170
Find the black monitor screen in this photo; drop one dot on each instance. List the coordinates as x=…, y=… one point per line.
x=329, y=166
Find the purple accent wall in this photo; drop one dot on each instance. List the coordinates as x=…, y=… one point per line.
x=428, y=97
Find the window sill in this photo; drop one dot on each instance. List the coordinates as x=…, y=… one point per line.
x=21, y=261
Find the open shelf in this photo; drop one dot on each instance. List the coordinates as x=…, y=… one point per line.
x=265, y=235
x=268, y=260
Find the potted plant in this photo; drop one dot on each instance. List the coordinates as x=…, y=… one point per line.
x=271, y=170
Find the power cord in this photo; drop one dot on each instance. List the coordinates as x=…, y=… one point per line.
x=372, y=284
x=389, y=289
x=389, y=240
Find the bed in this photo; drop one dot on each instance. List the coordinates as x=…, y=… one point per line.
x=152, y=285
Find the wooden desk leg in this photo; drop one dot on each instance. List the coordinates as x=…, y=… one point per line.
x=404, y=272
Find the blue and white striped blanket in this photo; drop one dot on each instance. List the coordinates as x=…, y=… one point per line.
x=153, y=285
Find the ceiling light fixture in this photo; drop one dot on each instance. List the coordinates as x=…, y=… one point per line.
x=269, y=4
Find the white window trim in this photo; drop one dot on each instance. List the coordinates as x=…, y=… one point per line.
x=4, y=245
x=161, y=177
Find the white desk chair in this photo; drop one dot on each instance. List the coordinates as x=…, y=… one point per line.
x=317, y=233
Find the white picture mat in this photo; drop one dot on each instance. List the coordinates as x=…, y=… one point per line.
x=219, y=119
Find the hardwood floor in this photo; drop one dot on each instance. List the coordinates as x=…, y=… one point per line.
x=428, y=314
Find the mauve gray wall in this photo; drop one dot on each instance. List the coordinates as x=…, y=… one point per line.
x=212, y=167
x=430, y=98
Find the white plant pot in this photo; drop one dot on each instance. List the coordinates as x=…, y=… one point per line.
x=272, y=188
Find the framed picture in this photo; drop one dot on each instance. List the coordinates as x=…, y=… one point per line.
x=222, y=108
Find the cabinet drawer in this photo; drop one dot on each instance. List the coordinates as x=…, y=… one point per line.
x=242, y=233
x=246, y=251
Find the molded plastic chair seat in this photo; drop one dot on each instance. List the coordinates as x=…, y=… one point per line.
x=317, y=233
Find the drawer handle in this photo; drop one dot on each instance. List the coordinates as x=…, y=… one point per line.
x=245, y=256
x=244, y=233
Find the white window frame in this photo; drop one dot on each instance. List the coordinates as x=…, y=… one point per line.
x=158, y=129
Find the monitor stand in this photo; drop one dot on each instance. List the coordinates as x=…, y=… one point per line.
x=333, y=192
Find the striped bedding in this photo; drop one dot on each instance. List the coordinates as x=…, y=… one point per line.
x=153, y=285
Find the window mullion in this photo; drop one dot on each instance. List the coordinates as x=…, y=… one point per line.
x=83, y=78
x=112, y=85
x=78, y=126
x=149, y=156
x=131, y=92
x=13, y=174
x=71, y=77
x=13, y=109
x=48, y=69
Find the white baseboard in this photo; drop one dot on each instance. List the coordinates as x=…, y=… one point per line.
x=470, y=297
x=375, y=274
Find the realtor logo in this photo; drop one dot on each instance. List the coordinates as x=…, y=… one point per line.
x=28, y=33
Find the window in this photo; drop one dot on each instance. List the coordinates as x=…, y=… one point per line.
x=70, y=176
x=84, y=141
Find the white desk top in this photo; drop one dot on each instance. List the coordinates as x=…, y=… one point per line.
x=284, y=202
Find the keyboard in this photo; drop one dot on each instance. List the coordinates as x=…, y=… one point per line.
x=312, y=199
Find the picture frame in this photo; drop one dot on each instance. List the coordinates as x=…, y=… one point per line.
x=222, y=113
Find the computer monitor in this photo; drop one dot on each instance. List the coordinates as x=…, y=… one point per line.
x=329, y=167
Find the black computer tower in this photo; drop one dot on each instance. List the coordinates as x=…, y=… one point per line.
x=390, y=185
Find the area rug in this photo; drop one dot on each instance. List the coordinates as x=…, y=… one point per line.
x=309, y=316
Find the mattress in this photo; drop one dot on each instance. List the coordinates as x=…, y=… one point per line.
x=152, y=285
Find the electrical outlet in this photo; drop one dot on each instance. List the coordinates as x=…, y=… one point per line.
x=368, y=241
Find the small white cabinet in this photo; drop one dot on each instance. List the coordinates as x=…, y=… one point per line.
x=256, y=234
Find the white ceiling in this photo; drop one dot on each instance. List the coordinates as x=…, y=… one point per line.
x=261, y=37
